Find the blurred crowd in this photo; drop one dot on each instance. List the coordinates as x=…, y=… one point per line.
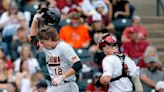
x=23, y=67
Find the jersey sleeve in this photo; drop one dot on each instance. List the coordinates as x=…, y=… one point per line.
x=132, y=68
x=70, y=54
x=107, y=67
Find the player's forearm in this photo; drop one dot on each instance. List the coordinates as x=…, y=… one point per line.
x=137, y=84
x=77, y=66
x=69, y=73
x=34, y=28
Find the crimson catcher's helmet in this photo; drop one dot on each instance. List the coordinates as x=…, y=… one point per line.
x=108, y=39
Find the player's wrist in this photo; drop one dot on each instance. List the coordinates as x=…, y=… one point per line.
x=63, y=76
x=37, y=17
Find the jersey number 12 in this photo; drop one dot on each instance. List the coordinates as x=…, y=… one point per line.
x=58, y=71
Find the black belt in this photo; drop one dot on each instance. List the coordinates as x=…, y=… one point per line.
x=66, y=81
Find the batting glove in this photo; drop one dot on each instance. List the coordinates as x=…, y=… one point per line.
x=37, y=16
x=57, y=80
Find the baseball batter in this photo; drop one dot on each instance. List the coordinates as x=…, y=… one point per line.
x=113, y=65
x=62, y=61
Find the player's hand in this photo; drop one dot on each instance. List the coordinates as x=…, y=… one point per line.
x=107, y=2
x=57, y=80
x=37, y=16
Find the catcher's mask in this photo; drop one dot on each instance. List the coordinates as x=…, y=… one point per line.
x=108, y=40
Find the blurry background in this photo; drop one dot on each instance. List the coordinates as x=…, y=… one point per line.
x=137, y=24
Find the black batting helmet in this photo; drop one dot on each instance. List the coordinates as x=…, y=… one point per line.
x=51, y=16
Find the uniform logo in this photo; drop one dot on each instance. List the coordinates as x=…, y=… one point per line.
x=75, y=59
x=53, y=61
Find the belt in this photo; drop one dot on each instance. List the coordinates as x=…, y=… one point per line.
x=64, y=82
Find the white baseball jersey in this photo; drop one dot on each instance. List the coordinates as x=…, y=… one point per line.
x=60, y=60
x=112, y=66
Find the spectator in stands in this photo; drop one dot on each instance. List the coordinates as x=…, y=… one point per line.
x=29, y=5
x=132, y=9
x=41, y=86
x=65, y=18
x=91, y=86
x=100, y=6
x=5, y=75
x=26, y=55
x=21, y=37
x=120, y=9
x=23, y=77
x=8, y=62
x=41, y=57
x=80, y=5
x=151, y=75
x=65, y=3
x=97, y=29
x=120, y=16
x=150, y=51
x=2, y=8
x=36, y=78
x=75, y=34
x=12, y=87
x=142, y=32
x=4, y=46
x=86, y=11
x=134, y=48
x=11, y=19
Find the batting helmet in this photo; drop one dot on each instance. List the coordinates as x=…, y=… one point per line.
x=51, y=16
x=108, y=40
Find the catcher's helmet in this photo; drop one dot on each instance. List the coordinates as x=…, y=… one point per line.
x=108, y=40
x=51, y=16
